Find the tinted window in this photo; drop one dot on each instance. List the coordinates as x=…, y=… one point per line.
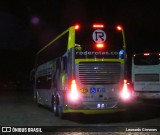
x=56, y=49
x=43, y=82
x=152, y=59
x=86, y=39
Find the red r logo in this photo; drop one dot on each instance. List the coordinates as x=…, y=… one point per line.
x=99, y=36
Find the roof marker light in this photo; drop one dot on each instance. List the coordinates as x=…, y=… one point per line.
x=100, y=45
x=98, y=26
x=119, y=27
x=146, y=54
x=76, y=27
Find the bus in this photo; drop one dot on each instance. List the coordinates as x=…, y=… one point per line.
x=146, y=75
x=82, y=70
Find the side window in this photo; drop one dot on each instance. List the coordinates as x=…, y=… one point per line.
x=58, y=66
x=54, y=50
x=43, y=82
x=65, y=63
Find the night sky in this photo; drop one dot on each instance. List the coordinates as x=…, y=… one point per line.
x=27, y=25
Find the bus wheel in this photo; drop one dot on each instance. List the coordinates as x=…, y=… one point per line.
x=56, y=110
x=37, y=99
x=52, y=104
x=61, y=114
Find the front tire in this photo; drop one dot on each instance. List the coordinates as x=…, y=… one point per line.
x=56, y=110
x=61, y=114
x=37, y=99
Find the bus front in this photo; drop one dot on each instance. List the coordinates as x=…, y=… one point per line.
x=98, y=85
x=146, y=75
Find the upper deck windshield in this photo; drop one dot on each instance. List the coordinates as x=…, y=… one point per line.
x=152, y=59
x=86, y=40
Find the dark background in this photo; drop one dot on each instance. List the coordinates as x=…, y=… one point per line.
x=27, y=25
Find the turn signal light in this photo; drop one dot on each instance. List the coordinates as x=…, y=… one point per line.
x=125, y=92
x=74, y=93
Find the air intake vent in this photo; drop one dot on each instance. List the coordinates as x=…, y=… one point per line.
x=99, y=73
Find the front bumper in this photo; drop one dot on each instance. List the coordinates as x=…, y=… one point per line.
x=147, y=95
x=95, y=107
x=94, y=111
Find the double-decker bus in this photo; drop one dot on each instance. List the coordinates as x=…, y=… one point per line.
x=146, y=75
x=82, y=70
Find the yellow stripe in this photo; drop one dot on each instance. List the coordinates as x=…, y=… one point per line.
x=71, y=40
x=94, y=111
x=99, y=60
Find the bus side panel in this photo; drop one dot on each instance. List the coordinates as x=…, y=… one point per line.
x=43, y=80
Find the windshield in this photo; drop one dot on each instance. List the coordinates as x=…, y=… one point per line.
x=152, y=59
x=98, y=43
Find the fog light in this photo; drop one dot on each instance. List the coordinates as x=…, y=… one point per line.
x=102, y=106
x=98, y=106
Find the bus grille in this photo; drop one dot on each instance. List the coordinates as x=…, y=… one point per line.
x=147, y=77
x=99, y=73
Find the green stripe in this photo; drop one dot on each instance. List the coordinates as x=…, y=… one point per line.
x=94, y=111
x=99, y=60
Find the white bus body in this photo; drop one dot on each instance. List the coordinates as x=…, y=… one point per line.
x=146, y=75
